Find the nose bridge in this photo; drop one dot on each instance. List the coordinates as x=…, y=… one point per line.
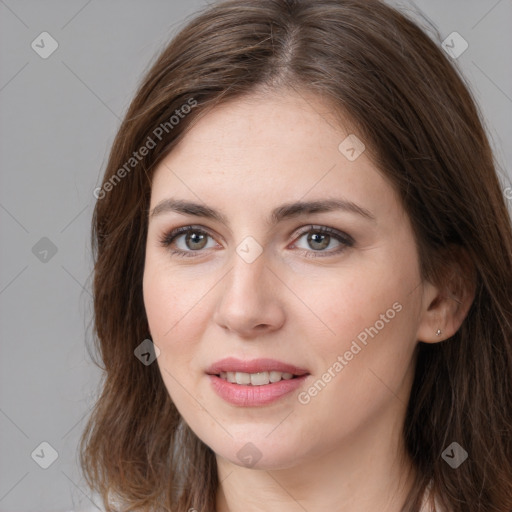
x=247, y=299
x=249, y=269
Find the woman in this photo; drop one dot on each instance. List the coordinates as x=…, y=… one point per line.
x=303, y=284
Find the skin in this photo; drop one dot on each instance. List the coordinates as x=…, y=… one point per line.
x=342, y=450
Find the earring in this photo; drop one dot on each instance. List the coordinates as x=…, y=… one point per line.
x=438, y=332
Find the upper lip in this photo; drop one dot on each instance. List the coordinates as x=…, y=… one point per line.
x=232, y=364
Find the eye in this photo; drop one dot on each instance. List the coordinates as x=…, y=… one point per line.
x=321, y=237
x=187, y=239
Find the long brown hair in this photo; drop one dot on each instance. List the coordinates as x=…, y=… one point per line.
x=423, y=130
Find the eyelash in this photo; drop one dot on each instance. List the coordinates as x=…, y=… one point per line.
x=346, y=241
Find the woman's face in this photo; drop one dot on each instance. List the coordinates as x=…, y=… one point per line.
x=256, y=279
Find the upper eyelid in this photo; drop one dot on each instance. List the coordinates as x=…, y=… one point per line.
x=183, y=230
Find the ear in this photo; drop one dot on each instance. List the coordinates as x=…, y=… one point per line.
x=446, y=305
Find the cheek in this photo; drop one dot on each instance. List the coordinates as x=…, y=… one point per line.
x=170, y=299
x=363, y=332
x=339, y=305
x=172, y=306
x=365, y=363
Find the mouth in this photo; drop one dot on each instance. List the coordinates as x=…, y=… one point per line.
x=255, y=372
x=255, y=383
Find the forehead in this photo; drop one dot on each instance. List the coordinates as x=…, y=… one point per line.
x=268, y=148
x=272, y=119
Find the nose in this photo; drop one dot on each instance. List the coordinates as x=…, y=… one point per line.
x=250, y=298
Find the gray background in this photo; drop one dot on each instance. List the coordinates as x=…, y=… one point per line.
x=58, y=119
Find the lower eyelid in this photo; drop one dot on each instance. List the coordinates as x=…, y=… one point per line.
x=342, y=246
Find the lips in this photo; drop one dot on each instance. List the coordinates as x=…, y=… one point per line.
x=255, y=383
x=231, y=364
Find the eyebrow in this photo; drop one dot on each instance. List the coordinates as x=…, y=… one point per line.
x=282, y=212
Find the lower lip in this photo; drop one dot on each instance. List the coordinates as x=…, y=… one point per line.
x=251, y=396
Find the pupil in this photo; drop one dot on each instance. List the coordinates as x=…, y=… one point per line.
x=196, y=238
x=323, y=244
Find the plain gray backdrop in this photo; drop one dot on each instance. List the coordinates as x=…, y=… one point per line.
x=59, y=116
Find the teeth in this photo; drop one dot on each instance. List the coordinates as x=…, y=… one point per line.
x=242, y=378
x=275, y=376
x=255, y=379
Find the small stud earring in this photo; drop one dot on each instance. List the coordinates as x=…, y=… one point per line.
x=438, y=332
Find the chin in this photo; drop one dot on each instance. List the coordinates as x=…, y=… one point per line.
x=258, y=452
